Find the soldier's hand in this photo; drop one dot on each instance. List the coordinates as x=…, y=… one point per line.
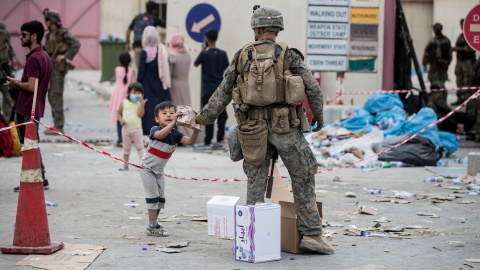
x=59, y=58
x=127, y=46
x=319, y=121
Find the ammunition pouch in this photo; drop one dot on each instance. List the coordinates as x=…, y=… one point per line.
x=253, y=135
x=294, y=88
x=234, y=145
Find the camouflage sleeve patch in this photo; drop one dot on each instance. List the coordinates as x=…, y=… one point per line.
x=312, y=89
x=73, y=45
x=222, y=96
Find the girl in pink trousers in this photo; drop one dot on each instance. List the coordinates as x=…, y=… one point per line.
x=123, y=77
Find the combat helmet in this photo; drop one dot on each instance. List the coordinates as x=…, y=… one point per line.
x=52, y=15
x=266, y=17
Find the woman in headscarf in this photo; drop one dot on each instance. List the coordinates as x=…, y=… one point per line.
x=180, y=62
x=153, y=74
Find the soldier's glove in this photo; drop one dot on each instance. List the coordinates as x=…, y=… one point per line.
x=319, y=121
x=199, y=120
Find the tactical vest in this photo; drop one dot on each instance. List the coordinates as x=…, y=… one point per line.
x=55, y=43
x=266, y=97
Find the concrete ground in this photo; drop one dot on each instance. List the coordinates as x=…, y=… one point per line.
x=91, y=193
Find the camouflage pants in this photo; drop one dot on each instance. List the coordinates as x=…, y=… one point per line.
x=55, y=97
x=302, y=167
x=6, y=103
x=463, y=73
x=437, y=73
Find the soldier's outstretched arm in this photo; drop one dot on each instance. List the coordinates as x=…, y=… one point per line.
x=221, y=98
x=73, y=45
x=312, y=89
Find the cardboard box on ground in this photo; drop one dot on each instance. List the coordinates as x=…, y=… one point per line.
x=221, y=215
x=257, y=232
x=291, y=237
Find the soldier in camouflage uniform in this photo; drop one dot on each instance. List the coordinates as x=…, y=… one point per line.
x=463, y=68
x=437, y=55
x=476, y=82
x=7, y=56
x=291, y=146
x=62, y=46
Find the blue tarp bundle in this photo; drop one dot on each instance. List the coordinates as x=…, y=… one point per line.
x=386, y=112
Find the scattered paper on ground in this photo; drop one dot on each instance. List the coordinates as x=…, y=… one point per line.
x=72, y=256
x=190, y=215
x=169, y=250
x=168, y=218
x=200, y=219
x=131, y=237
x=178, y=245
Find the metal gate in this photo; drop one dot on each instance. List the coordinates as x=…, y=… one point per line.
x=81, y=18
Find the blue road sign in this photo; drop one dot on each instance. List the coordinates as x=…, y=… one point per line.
x=201, y=18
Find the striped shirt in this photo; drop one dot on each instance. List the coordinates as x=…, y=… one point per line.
x=160, y=151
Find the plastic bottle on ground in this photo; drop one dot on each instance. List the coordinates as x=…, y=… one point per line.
x=457, y=181
x=461, y=160
x=404, y=194
x=386, y=165
x=371, y=191
x=398, y=164
x=433, y=179
x=51, y=204
x=442, y=163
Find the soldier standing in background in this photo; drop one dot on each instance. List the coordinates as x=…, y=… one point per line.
x=437, y=56
x=476, y=82
x=61, y=46
x=463, y=69
x=7, y=57
x=269, y=117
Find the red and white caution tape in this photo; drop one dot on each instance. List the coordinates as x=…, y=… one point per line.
x=337, y=95
x=474, y=96
x=208, y=179
x=90, y=147
x=18, y=125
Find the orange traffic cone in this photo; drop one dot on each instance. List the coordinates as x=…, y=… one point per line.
x=31, y=227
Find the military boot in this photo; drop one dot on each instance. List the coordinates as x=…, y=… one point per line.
x=314, y=243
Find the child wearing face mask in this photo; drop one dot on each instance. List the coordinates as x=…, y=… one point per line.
x=130, y=112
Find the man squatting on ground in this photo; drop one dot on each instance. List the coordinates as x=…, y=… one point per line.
x=266, y=81
x=37, y=66
x=163, y=141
